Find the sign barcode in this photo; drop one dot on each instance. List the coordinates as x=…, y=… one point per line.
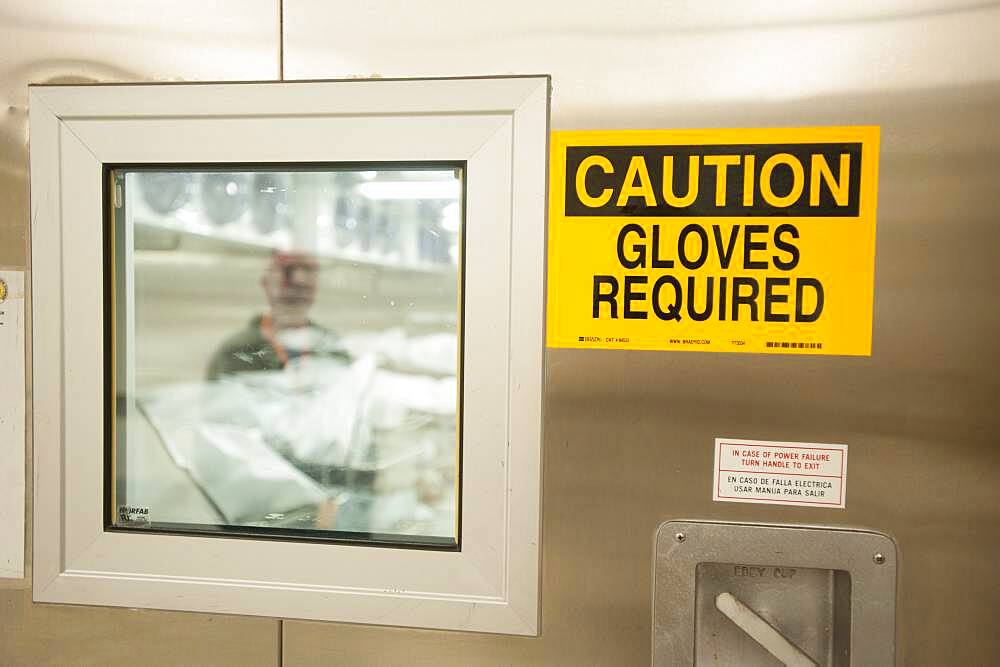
x=796, y=345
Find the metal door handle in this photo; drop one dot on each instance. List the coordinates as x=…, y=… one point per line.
x=762, y=632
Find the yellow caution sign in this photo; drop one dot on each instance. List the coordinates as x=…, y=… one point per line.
x=713, y=240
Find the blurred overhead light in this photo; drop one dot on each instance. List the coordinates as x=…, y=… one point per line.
x=410, y=189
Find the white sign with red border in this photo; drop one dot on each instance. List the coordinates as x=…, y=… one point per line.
x=780, y=473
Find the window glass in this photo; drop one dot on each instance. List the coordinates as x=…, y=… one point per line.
x=284, y=347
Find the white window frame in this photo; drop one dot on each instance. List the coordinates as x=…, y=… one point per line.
x=499, y=126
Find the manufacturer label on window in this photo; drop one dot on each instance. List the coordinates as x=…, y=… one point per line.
x=134, y=516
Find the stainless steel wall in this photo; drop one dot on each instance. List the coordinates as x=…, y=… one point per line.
x=629, y=435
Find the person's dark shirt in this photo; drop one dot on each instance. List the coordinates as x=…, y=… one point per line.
x=250, y=350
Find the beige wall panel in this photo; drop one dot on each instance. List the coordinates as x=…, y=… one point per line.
x=65, y=635
x=651, y=63
x=629, y=435
x=50, y=40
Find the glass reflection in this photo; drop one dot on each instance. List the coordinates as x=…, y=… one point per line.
x=286, y=348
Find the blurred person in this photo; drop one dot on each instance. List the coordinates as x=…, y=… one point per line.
x=284, y=335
